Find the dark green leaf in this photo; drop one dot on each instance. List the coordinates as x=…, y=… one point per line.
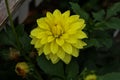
x=113, y=10
x=25, y=42
x=20, y=30
x=93, y=42
x=7, y=37
x=110, y=76
x=23, y=37
x=113, y=23
x=49, y=68
x=101, y=26
x=72, y=70
x=76, y=8
x=99, y=16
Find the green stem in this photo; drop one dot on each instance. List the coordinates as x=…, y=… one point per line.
x=12, y=24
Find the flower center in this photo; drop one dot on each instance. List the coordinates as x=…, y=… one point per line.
x=57, y=30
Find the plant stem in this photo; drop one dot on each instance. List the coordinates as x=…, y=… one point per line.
x=12, y=24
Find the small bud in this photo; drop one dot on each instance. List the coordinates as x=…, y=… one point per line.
x=91, y=77
x=22, y=69
x=14, y=54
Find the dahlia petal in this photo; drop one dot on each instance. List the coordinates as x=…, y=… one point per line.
x=61, y=54
x=80, y=35
x=76, y=25
x=47, y=56
x=40, y=51
x=54, y=58
x=33, y=41
x=60, y=41
x=67, y=48
x=66, y=14
x=50, y=16
x=65, y=36
x=79, y=44
x=57, y=13
x=46, y=49
x=40, y=35
x=42, y=24
x=75, y=52
x=72, y=18
x=50, y=38
x=54, y=47
x=34, y=32
x=44, y=40
x=67, y=58
x=38, y=44
x=71, y=40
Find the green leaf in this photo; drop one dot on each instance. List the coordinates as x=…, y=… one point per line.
x=20, y=30
x=49, y=68
x=93, y=42
x=76, y=9
x=113, y=23
x=99, y=39
x=110, y=76
x=101, y=26
x=25, y=42
x=7, y=37
x=72, y=70
x=98, y=16
x=113, y=10
x=23, y=38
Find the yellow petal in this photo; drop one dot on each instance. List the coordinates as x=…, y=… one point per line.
x=54, y=58
x=72, y=18
x=40, y=35
x=67, y=59
x=67, y=48
x=44, y=40
x=60, y=41
x=58, y=16
x=40, y=51
x=82, y=21
x=76, y=25
x=35, y=32
x=61, y=54
x=66, y=14
x=46, y=49
x=33, y=41
x=80, y=35
x=65, y=36
x=54, y=47
x=50, y=38
x=75, y=52
x=38, y=44
x=71, y=40
x=42, y=24
x=57, y=13
x=47, y=56
x=79, y=44
x=50, y=16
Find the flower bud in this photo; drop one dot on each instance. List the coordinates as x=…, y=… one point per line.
x=22, y=69
x=14, y=54
x=91, y=77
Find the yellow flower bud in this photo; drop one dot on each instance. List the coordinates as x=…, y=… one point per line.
x=91, y=77
x=22, y=69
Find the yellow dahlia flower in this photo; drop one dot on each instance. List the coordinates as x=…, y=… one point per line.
x=59, y=36
x=91, y=77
